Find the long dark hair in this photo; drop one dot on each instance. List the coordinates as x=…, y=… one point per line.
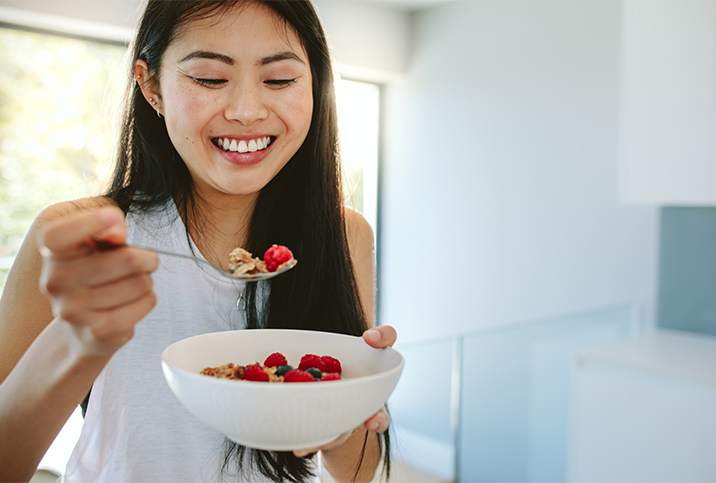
x=300, y=208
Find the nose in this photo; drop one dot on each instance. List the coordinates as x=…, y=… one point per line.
x=246, y=104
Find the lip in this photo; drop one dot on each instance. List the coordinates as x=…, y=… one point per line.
x=244, y=159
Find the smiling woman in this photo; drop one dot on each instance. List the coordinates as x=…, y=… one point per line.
x=57, y=136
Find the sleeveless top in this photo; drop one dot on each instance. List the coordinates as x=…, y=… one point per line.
x=135, y=429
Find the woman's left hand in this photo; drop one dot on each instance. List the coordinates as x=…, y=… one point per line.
x=379, y=337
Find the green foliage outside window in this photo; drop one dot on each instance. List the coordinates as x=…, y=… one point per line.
x=56, y=131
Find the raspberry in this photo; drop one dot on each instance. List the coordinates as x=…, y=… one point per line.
x=297, y=375
x=331, y=376
x=255, y=372
x=275, y=256
x=311, y=360
x=331, y=364
x=276, y=359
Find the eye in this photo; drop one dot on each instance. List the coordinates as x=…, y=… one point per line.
x=209, y=82
x=280, y=82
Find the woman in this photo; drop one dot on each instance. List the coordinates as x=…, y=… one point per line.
x=229, y=139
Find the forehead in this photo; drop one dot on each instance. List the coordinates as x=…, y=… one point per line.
x=247, y=29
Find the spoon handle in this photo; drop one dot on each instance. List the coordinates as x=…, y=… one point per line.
x=104, y=245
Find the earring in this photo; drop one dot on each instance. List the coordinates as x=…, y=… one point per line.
x=151, y=99
x=159, y=115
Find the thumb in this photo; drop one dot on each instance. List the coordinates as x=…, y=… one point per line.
x=78, y=234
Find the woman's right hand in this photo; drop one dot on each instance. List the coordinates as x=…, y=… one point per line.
x=101, y=294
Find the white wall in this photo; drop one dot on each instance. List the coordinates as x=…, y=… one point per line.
x=499, y=177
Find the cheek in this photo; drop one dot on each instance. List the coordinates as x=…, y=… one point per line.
x=185, y=115
x=300, y=111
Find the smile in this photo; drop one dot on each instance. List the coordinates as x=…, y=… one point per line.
x=243, y=146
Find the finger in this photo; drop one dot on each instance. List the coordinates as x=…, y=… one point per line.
x=115, y=305
x=76, y=235
x=300, y=453
x=103, y=298
x=333, y=444
x=64, y=276
x=380, y=337
x=110, y=330
x=379, y=422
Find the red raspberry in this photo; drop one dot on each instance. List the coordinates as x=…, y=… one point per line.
x=275, y=256
x=255, y=372
x=311, y=360
x=276, y=359
x=297, y=375
x=331, y=376
x=331, y=364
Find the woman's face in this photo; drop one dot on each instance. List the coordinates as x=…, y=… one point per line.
x=236, y=94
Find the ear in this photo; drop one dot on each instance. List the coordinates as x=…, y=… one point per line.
x=149, y=86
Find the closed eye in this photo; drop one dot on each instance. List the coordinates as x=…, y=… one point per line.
x=280, y=82
x=209, y=82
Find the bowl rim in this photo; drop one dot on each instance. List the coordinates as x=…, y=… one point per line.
x=353, y=380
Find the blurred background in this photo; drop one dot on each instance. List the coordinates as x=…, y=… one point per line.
x=541, y=179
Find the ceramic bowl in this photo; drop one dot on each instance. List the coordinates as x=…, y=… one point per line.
x=281, y=416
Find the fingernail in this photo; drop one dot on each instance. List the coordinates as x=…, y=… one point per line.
x=107, y=216
x=373, y=426
x=372, y=335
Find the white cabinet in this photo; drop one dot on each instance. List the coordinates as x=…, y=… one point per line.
x=644, y=410
x=667, y=108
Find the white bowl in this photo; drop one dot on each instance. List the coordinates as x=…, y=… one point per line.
x=281, y=416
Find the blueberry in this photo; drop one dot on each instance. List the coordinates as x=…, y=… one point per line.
x=316, y=373
x=282, y=370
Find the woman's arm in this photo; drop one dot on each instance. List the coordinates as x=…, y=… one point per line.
x=61, y=319
x=342, y=456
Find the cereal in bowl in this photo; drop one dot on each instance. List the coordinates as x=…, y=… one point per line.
x=275, y=368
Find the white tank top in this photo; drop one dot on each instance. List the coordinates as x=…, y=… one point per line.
x=135, y=429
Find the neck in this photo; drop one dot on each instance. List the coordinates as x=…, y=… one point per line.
x=219, y=224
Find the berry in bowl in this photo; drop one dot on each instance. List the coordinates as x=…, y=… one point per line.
x=332, y=384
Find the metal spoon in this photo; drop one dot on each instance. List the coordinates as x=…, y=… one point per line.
x=249, y=277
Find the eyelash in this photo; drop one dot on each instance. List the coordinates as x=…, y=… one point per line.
x=209, y=82
x=280, y=82
x=219, y=82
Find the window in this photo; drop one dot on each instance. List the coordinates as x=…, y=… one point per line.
x=55, y=137
x=358, y=106
x=57, y=97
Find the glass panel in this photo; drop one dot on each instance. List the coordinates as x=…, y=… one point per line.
x=515, y=396
x=420, y=408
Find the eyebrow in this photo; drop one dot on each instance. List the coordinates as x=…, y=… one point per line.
x=285, y=55
x=206, y=54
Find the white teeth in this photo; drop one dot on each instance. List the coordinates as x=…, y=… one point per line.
x=242, y=146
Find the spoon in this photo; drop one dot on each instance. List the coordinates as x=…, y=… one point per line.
x=246, y=277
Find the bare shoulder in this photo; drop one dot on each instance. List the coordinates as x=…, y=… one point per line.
x=358, y=230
